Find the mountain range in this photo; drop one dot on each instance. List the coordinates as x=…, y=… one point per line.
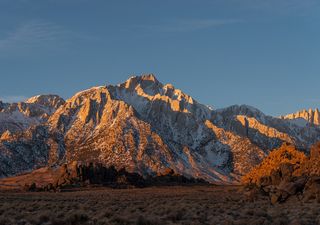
x=146, y=127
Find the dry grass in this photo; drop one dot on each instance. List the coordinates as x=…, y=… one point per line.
x=157, y=205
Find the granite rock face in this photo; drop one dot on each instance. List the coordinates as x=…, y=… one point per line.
x=304, y=116
x=145, y=127
x=18, y=117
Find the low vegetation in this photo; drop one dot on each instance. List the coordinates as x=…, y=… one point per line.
x=153, y=205
x=284, y=189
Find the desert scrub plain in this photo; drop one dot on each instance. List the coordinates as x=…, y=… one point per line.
x=153, y=205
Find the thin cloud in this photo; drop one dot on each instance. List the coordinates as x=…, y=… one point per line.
x=38, y=35
x=280, y=7
x=32, y=34
x=11, y=99
x=189, y=25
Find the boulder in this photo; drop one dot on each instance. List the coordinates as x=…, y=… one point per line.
x=275, y=177
x=315, y=151
x=312, y=189
x=275, y=197
x=269, y=189
x=294, y=175
x=286, y=170
x=288, y=187
x=251, y=194
x=300, y=183
x=264, y=181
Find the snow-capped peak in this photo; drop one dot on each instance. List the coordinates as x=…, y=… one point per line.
x=141, y=91
x=49, y=100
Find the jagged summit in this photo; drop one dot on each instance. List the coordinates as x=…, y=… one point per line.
x=145, y=77
x=150, y=85
x=16, y=117
x=149, y=77
x=146, y=83
x=53, y=101
x=241, y=109
x=244, y=110
x=143, y=92
x=144, y=126
x=304, y=116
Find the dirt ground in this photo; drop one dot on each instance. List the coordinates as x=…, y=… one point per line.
x=156, y=205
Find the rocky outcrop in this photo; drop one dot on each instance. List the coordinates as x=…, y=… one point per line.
x=310, y=116
x=268, y=131
x=265, y=131
x=285, y=173
x=79, y=175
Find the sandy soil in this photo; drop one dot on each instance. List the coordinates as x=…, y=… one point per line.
x=156, y=205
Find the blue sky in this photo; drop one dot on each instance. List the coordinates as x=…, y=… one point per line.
x=263, y=53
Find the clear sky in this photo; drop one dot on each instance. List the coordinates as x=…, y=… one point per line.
x=264, y=53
